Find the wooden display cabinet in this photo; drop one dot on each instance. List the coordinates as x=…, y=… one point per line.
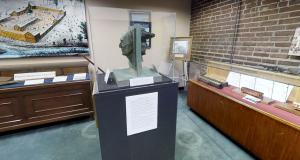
x=27, y=106
x=265, y=135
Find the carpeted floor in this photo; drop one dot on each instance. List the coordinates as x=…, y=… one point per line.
x=78, y=140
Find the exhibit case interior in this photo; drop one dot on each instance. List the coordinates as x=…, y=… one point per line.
x=136, y=106
x=270, y=86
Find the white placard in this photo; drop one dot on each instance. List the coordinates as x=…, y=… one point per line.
x=141, y=113
x=280, y=92
x=107, y=73
x=265, y=86
x=247, y=81
x=234, y=79
x=33, y=75
x=60, y=79
x=141, y=81
x=34, y=82
x=251, y=99
x=79, y=76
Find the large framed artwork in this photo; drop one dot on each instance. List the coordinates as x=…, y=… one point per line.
x=34, y=28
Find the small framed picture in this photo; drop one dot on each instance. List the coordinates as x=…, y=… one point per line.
x=181, y=47
x=147, y=26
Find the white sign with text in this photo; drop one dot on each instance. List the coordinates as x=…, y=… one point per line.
x=141, y=81
x=141, y=113
x=33, y=75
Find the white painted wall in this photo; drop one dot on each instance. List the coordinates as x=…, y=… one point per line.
x=107, y=26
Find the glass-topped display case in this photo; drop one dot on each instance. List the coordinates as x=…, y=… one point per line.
x=131, y=43
x=256, y=84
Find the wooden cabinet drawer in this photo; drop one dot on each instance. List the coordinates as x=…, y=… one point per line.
x=9, y=112
x=39, y=106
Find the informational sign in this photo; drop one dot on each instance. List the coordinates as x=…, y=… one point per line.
x=141, y=113
x=141, y=81
x=34, y=82
x=265, y=86
x=247, y=81
x=59, y=79
x=234, y=79
x=281, y=91
x=79, y=76
x=33, y=75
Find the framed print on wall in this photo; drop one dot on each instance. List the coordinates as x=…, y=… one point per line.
x=35, y=28
x=181, y=48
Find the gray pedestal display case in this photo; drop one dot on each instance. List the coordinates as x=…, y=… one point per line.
x=155, y=144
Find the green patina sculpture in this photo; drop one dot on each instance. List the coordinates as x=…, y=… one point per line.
x=133, y=45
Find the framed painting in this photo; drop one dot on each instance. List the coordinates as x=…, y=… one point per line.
x=181, y=48
x=35, y=28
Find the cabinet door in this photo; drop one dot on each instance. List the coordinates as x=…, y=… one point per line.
x=56, y=104
x=10, y=112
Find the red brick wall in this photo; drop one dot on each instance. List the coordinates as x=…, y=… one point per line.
x=265, y=31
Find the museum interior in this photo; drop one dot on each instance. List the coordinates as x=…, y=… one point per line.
x=149, y=79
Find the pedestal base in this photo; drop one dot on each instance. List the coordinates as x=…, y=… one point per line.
x=156, y=144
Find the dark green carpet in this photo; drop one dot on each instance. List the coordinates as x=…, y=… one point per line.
x=78, y=140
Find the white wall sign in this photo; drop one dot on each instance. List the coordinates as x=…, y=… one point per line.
x=141, y=113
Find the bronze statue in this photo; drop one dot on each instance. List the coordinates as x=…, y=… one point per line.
x=133, y=45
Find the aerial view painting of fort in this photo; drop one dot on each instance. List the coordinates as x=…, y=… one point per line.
x=30, y=28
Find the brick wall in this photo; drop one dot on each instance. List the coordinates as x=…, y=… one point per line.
x=265, y=31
